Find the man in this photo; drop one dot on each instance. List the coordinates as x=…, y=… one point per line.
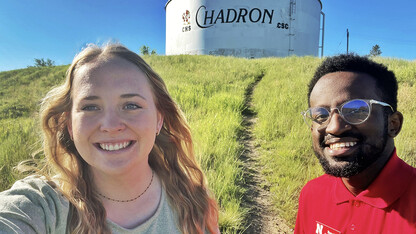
x=353, y=119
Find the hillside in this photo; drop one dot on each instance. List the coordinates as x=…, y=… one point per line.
x=236, y=108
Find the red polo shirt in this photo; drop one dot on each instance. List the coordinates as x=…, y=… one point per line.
x=388, y=205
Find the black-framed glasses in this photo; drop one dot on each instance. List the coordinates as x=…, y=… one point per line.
x=354, y=112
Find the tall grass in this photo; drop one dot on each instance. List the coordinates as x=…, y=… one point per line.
x=210, y=91
x=21, y=90
x=20, y=93
x=406, y=75
x=18, y=140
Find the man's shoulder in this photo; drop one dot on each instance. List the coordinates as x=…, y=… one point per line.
x=411, y=176
x=323, y=180
x=321, y=184
x=410, y=167
x=405, y=174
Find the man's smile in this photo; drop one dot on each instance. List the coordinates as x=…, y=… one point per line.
x=342, y=145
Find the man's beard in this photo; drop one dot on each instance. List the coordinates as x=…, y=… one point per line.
x=361, y=160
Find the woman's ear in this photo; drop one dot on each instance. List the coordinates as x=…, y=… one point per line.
x=395, y=124
x=159, y=122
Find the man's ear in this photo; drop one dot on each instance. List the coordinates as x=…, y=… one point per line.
x=395, y=124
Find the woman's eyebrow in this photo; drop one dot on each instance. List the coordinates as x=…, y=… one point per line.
x=91, y=98
x=130, y=95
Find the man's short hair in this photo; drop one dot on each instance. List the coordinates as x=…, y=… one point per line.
x=385, y=79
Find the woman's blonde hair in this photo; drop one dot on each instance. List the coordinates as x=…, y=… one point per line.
x=172, y=156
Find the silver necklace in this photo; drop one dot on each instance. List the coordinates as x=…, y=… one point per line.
x=129, y=200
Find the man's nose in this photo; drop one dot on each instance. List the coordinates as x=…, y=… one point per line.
x=336, y=124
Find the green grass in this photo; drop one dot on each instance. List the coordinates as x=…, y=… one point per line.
x=406, y=75
x=18, y=139
x=210, y=91
x=20, y=93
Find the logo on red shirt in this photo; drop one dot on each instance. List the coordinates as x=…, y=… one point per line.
x=325, y=229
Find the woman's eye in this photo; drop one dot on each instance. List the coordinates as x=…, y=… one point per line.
x=89, y=108
x=131, y=106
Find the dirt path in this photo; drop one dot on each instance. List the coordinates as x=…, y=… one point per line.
x=261, y=219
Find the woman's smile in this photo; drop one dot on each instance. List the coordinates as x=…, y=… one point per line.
x=115, y=146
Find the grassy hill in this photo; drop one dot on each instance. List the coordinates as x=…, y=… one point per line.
x=211, y=92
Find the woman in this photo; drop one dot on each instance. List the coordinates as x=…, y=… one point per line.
x=119, y=156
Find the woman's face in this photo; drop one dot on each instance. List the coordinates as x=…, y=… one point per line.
x=113, y=119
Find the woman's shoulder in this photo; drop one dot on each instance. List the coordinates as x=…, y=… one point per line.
x=33, y=203
x=34, y=186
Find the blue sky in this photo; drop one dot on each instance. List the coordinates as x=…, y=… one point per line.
x=58, y=29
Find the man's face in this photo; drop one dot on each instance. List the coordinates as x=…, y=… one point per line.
x=344, y=149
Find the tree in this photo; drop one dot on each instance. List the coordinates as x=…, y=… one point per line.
x=144, y=50
x=42, y=63
x=375, y=51
x=50, y=63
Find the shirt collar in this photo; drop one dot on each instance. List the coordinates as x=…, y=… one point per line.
x=389, y=185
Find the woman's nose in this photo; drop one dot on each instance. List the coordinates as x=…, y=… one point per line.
x=112, y=122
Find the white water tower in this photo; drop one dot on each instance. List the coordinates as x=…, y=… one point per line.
x=244, y=28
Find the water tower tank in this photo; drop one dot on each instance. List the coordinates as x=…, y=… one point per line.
x=243, y=28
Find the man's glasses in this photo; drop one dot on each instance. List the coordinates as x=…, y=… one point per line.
x=353, y=112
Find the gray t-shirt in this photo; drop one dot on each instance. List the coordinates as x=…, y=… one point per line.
x=32, y=205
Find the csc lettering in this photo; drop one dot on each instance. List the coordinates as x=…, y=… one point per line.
x=186, y=29
x=283, y=25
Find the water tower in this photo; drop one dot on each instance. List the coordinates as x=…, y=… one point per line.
x=244, y=28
